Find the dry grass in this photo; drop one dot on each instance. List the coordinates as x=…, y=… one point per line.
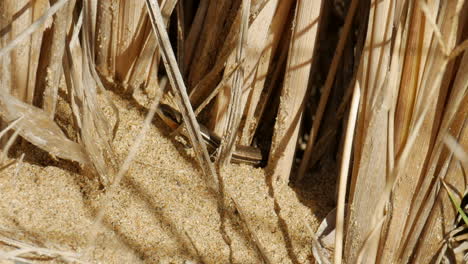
x=379, y=96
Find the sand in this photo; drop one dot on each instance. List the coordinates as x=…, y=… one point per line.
x=162, y=211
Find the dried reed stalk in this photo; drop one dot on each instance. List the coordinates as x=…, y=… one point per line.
x=326, y=91
x=412, y=120
x=14, y=44
x=216, y=23
x=441, y=220
x=146, y=60
x=129, y=37
x=118, y=24
x=453, y=120
x=178, y=87
x=256, y=45
x=38, y=126
x=194, y=33
x=50, y=72
x=94, y=132
x=144, y=69
x=17, y=16
x=254, y=106
x=126, y=50
x=300, y=58
x=405, y=105
x=234, y=112
x=209, y=84
x=434, y=86
x=369, y=170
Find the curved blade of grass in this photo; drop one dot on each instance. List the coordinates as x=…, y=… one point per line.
x=40, y=130
x=455, y=202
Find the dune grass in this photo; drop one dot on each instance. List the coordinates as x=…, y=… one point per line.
x=381, y=94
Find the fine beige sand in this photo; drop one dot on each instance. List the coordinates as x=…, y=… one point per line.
x=162, y=211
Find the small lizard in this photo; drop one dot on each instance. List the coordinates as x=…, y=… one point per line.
x=242, y=154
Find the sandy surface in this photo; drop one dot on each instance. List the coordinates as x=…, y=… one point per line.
x=162, y=212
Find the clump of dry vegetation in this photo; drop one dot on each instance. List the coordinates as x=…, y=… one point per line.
x=214, y=131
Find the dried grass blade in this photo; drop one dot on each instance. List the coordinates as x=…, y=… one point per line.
x=344, y=171
x=415, y=224
x=257, y=36
x=19, y=165
x=168, y=7
x=228, y=73
x=6, y=166
x=9, y=143
x=459, y=50
x=264, y=96
x=144, y=61
x=370, y=154
x=201, y=91
x=13, y=256
x=204, y=87
x=40, y=130
x=235, y=108
x=11, y=125
x=180, y=90
x=146, y=53
x=436, y=224
x=94, y=132
x=27, y=248
x=368, y=241
x=105, y=36
x=91, y=8
x=407, y=114
x=129, y=37
x=210, y=96
x=451, y=118
x=181, y=35
x=396, y=174
x=457, y=100
x=92, y=81
x=455, y=202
